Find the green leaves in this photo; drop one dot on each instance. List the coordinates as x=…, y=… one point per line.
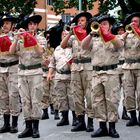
x=17, y=7
x=59, y=6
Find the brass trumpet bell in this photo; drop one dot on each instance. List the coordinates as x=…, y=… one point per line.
x=67, y=28
x=94, y=26
x=128, y=28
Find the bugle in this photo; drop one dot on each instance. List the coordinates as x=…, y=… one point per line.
x=13, y=34
x=94, y=26
x=128, y=28
x=67, y=28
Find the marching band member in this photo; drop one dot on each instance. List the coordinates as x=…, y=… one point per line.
x=81, y=70
x=131, y=67
x=9, y=93
x=105, y=78
x=47, y=85
x=119, y=29
x=60, y=62
x=30, y=47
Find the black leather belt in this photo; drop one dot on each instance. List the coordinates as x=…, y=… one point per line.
x=121, y=62
x=29, y=67
x=105, y=68
x=82, y=60
x=64, y=72
x=45, y=69
x=130, y=61
x=9, y=64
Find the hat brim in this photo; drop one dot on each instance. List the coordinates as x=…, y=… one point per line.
x=35, y=19
x=83, y=14
x=14, y=20
x=130, y=16
x=114, y=30
x=110, y=19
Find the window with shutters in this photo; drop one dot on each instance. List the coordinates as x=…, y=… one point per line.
x=49, y=2
x=66, y=18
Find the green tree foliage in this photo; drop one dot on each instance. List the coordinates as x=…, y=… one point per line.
x=17, y=7
x=59, y=6
x=127, y=6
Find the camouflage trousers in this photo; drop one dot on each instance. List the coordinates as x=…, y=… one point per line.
x=132, y=89
x=31, y=90
x=9, y=94
x=81, y=89
x=105, y=97
x=64, y=95
x=53, y=95
x=47, y=92
x=121, y=77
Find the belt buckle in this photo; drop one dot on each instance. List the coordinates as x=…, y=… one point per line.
x=98, y=68
x=22, y=67
x=131, y=61
x=76, y=61
x=104, y=68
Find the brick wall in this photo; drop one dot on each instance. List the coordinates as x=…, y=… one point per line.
x=49, y=18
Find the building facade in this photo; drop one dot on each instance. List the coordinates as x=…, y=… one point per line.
x=50, y=19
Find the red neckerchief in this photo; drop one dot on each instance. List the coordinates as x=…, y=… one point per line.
x=5, y=44
x=79, y=32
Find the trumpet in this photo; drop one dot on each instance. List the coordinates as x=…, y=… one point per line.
x=94, y=26
x=67, y=28
x=128, y=28
x=13, y=34
x=41, y=33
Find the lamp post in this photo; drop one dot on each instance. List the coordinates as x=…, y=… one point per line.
x=80, y=6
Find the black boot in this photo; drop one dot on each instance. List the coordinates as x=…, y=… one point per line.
x=45, y=114
x=6, y=126
x=14, y=128
x=75, y=120
x=56, y=115
x=52, y=109
x=124, y=114
x=133, y=119
x=89, y=125
x=81, y=126
x=28, y=131
x=35, y=129
x=64, y=120
x=139, y=119
x=102, y=131
x=112, y=130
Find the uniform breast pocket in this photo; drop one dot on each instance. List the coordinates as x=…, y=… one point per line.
x=34, y=55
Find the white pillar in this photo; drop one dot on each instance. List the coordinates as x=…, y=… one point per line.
x=80, y=6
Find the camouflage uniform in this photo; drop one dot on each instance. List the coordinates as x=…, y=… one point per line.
x=9, y=94
x=121, y=76
x=62, y=78
x=30, y=81
x=47, y=86
x=105, y=81
x=81, y=70
x=131, y=69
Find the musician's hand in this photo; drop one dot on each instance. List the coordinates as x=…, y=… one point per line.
x=133, y=24
x=72, y=25
x=18, y=33
x=93, y=33
x=49, y=77
x=21, y=30
x=71, y=28
x=103, y=29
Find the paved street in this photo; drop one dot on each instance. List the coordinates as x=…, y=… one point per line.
x=49, y=131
